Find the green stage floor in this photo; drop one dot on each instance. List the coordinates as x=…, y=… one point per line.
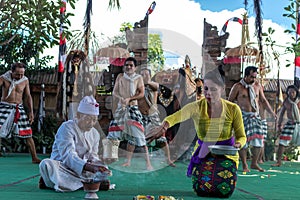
x=19, y=180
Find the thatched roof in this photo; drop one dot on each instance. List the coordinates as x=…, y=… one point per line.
x=48, y=78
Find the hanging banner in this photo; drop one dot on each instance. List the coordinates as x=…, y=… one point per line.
x=234, y=19
x=62, y=41
x=297, y=52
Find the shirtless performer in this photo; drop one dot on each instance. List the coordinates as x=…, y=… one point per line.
x=148, y=108
x=291, y=106
x=247, y=93
x=127, y=124
x=13, y=118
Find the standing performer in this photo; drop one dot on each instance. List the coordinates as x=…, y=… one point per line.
x=247, y=93
x=148, y=108
x=291, y=106
x=13, y=118
x=127, y=124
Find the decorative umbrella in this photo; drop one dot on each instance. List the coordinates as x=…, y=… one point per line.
x=115, y=55
x=113, y=52
x=242, y=50
x=240, y=54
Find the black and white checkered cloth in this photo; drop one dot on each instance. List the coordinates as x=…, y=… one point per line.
x=13, y=124
x=286, y=135
x=253, y=129
x=264, y=126
x=128, y=125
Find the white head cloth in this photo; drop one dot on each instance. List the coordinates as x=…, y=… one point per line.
x=88, y=105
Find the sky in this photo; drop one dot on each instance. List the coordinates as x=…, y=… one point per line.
x=180, y=24
x=272, y=9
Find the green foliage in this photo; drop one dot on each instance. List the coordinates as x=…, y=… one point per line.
x=47, y=134
x=156, y=57
x=121, y=39
x=291, y=12
x=270, y=43
x=294, y=48
x=269, y=145
x=290, y=153
x=124, y=26
x=45, y=138
x=14, y=144
x=28, y=27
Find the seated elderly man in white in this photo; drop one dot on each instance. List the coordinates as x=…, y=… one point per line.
x=74, y=156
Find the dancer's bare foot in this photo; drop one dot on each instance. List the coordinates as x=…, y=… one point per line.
x=276, y=165
x=260, y=162
x=246, y=170
x=171, y=163
x=127, y=164
x=110, y=160
x=149, y=167
x=257, y=168
x=36, y=161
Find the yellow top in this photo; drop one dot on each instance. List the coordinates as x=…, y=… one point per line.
x=229, y=124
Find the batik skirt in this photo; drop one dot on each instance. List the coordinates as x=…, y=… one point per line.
x=215, y=176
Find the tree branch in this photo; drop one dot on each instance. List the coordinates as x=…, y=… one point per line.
x=8, y=41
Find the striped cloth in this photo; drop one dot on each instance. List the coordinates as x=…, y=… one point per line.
x=286, y=135
x=253, y=129
x=14, y=121
x=264, y=127
x=150, y=9
x=233, y=19
x=127, y=125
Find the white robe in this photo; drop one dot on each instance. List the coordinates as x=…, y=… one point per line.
x=71, y=150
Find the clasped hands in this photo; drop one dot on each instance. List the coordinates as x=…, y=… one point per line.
x=125, y=101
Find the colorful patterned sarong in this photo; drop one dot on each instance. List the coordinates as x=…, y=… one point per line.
x=202, y=151
x=215, y=176
x=14, y=121
x=127, y=125
x=253, y=129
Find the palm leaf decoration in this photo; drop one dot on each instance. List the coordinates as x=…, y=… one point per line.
x=114, y=4
x=258, y=24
